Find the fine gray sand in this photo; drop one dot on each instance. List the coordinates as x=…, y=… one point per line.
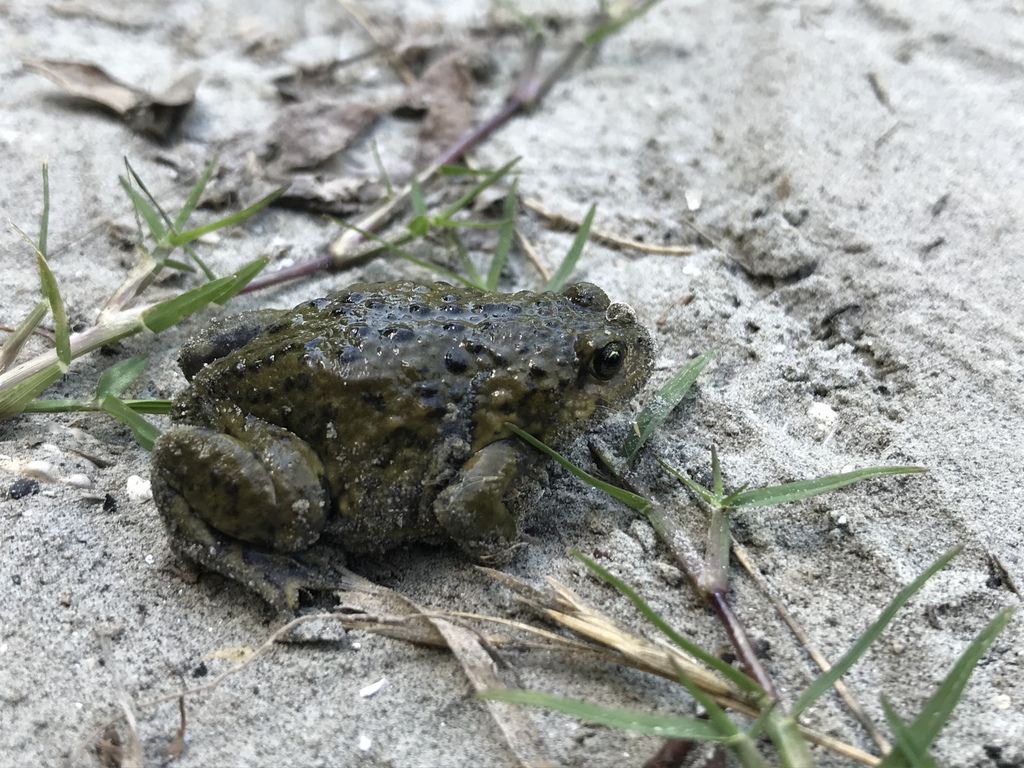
x=858, y=166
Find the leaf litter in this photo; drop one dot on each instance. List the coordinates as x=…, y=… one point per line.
x=158, y=114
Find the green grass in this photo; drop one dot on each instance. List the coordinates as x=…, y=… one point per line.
x=779, y=720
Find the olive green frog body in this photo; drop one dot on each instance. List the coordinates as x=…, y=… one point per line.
x=377, y=416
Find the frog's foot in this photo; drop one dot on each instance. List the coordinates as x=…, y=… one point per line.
x=279, y=579
x=471, y=509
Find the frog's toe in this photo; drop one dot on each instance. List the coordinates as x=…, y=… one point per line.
x=279, y=579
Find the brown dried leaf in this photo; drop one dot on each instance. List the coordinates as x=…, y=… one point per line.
x=109, y=749
x=157, y=114
x=307, y=134
x=334, y=195
x=236, y=654
x=89, y=82
x=516, y=726
x=445, y=90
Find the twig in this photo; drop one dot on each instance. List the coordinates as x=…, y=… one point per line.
x=529, y=91
x=704, y=235
x=531, y=254
x=798, y=632
x=562, y=221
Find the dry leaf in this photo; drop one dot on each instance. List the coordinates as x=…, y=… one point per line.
x=334, y=195
x=445, y=90
x=515, y=724
x=307, y=134
x=157, y=114
x=109, y=749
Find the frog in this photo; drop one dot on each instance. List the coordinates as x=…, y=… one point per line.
x=380, y=416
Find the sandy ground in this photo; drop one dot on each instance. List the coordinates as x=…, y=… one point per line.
x=859, y=168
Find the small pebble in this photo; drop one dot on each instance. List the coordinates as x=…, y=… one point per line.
x=24, y=486
x=373, y=688
x=139, y=489
x=668, y=574
x=40, y=470
x=79, y=480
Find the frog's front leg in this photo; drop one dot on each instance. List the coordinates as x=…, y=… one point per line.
x=472, y=508
x=229, y=497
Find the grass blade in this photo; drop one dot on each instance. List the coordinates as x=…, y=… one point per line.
x=467, y=263
x=62, y=332
x=568, y=264
x=617, y=23
x=164, y=218
x=477, y=188
x=666, y=726
x=189, y=235
x=906, y=740
x=780, y=494
x=508, y=228
x=144, y=432
x=193, y=196
x=167, y=313
x=417, y=199
x=118, y=377
x=156, y=407
x=392, y=248
x=694, y=486
x=241, y=278
x=145, y=210
x=44, y=217
x=739, y=679
x=16, y=340
x=664, y=402
x=828, y=679
x=419, y=225
x=13, y=399
x=739, y=742
x=940, y=705
x=718, y=487
x=631, y=500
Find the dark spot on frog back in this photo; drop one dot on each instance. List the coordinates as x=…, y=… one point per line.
x=456, y=361
x=298, y=382
x=375, y=400
x=398, y=334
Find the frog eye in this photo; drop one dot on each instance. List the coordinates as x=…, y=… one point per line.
x=607, y=361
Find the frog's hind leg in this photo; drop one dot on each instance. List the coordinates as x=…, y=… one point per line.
x=242, y=503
